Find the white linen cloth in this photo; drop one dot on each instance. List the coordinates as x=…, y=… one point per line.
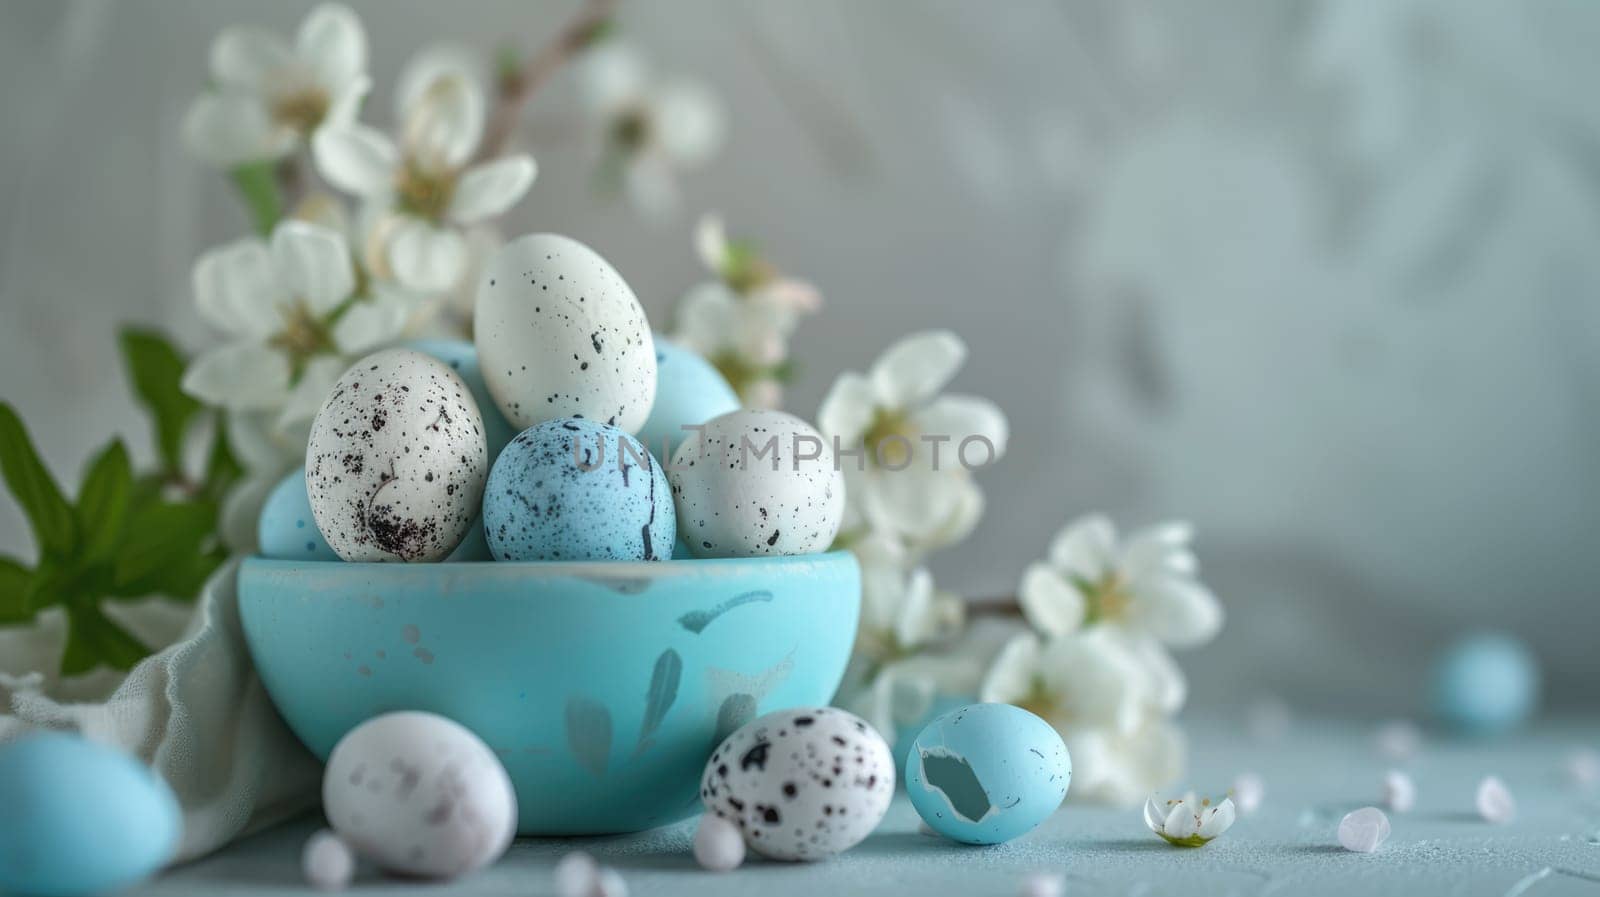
x=198, y=715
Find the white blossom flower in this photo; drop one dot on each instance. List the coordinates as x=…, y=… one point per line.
x=912, y=481
x=901, y=611
x=1147, y=586
x=291, y=315
x=1086, y=680
x=652, y=128
x=269, y=96
x=1189, y=822
x=420, y=192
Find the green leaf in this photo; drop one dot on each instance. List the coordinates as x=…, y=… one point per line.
x=14, y=582
x=222, y=468
x=162, y=536
x=35, y=490
x=103, y=502
x=258, y=185
x=94, y=639
x=156, y=369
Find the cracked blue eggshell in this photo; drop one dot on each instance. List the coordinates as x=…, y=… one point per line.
x=80, y=818
x=605, y=500
x=286, y=531
x=987, y=773
x=689, y=391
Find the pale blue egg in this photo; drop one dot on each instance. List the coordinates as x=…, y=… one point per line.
x=286, y=530
x=462, y=357
x=80, y=818
x=1485, y=683
x=689, y=391
x=987, y=773
x=573, y=489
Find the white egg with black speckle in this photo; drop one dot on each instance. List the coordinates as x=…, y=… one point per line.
x=396, y=462
x=561, y=334
x=420, y=795
x=752, y=483
x=801, y=784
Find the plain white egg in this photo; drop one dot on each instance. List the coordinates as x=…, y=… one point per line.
x=396, y=462
x=560, y=334
x=752, y=483
x=419, y=794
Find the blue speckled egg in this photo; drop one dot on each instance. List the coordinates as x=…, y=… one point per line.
x=689, y=391
x=573, y=489
x=462, y=357
x=286, y=530
x=80, y=818
x=986, y=773
x=1485, y=683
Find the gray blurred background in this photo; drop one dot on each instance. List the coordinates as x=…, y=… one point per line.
x=1319, y=276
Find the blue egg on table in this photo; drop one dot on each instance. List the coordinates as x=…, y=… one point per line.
x=1486, y=683
x=987, y=773
x=286, y=530
x=462, y=356
x=689, y=391
x=80, y=818
x=574, y=489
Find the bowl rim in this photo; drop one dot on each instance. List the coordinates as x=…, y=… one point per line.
x=595, y=569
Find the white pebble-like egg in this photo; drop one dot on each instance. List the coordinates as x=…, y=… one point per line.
x=396, y=462
x=560, y=334
x=801, y=784
x=752, y=483
x=420, y=795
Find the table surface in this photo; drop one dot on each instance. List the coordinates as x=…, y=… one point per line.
x=1314, y=773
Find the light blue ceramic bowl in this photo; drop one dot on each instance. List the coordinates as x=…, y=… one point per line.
x=602, y=686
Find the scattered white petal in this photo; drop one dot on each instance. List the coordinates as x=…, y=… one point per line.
x=1248, y=790
x=718, y=846
x=1494, y=801
x=1043, y=884
x=327, y=862
x=1583, y=766
x=1399, y=739
x=1364, y=830
x=1399, y=791
x=609, y=883
x=576, y=875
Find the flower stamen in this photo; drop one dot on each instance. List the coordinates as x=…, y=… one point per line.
x=423, y=193
x=301, y=110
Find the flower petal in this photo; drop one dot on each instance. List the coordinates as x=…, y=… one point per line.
x=610, y=76
x=1052, y=605
x=241, y=512
x=929, y=509
x=847, y=410
x=1086, y=548
x=1159, y=550
x=1154, y=816
x=689, y=123
x=652, y=188
x=242, y=375
x=310, y=391
x=1177, y=610
x=1168, y=689
x=708, y=320
x=711, y=242
x=258, y=446
x=1183, y=821
x=313, y=264
x=443, y=127
x=250, y=58
x=355, y=158
x=487, y=190
x=332, y=43
x=429, y=65
x=227, y=129
x=370, y=324
x=966, y=417
x=917, y=367
x=346, y=102
x=1217, y=819
x=424, y=257
x=237, y=291
x=1010, y=676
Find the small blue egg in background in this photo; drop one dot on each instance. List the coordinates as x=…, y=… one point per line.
x=1486, y=683
x=987, y=773
x=79, y=818
x=688, y=391
x=462, y=357
x=542, y=505
x=286, y=530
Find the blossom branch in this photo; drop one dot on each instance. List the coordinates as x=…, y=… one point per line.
x=518, y=85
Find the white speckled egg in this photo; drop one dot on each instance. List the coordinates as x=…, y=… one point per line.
x=560, y=334
x=754, y=483
x=420, y=795
x=396, y=461
x=801, y=784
